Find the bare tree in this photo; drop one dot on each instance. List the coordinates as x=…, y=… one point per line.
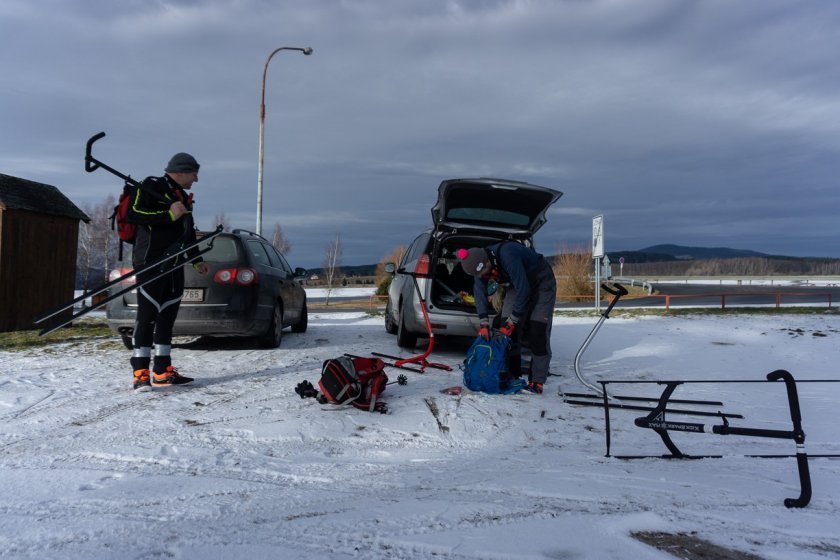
x=98, y=244
x=84, y=251
x=278, y=239
x=332, y=263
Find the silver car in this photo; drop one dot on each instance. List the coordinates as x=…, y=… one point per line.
x=468, y=213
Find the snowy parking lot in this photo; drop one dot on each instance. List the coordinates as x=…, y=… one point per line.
x=238, y=466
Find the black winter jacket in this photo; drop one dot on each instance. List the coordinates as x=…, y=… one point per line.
x=157, y=232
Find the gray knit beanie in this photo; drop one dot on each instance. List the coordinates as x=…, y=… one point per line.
x=182, y=163
x=473, y=260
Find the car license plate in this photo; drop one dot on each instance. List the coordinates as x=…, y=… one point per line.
x=192, y=295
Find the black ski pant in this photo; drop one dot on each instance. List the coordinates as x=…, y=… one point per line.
x=534, y=329
x=157, y=307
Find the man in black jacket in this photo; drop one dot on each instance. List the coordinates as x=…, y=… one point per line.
x=528, y=304
x=162, y=212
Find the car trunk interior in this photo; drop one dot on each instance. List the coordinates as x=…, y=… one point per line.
x=452, y=288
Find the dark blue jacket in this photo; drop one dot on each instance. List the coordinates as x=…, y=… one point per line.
x=517, y=265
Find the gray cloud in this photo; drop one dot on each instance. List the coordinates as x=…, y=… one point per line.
x=701, y=123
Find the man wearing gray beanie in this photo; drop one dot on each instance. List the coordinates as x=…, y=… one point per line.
x=530, y=295
x=162, y=212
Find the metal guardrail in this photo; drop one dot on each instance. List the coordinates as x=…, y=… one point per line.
x=376, y=302
x=743, y=280
x=776, y=298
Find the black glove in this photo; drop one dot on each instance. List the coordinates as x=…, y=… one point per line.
x=306, y=390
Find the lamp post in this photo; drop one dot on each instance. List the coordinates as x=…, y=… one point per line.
x=307, y=51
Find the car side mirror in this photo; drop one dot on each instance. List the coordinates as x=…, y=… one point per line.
x=390, y=268
x=300, y=272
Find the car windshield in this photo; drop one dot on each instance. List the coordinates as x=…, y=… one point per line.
x=225, y=249
x=490, y=216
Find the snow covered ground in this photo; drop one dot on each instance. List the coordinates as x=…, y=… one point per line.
x=238, y=466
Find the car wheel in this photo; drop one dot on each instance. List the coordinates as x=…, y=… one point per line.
x=128, y=341
x=405, y=339
x=390, y=326
x=274, y=335
x=300, y=326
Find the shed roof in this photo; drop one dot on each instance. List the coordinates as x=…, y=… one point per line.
x=23, y=194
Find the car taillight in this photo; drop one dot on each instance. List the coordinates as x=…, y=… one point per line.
x=241, y=276
x=117, y=272
x=246, y=276
x=422, y=269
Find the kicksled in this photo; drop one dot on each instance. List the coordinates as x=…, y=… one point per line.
x=661, y=409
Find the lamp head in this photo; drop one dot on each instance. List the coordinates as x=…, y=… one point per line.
x=307, y=51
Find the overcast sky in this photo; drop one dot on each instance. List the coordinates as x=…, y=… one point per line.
x=705, y=123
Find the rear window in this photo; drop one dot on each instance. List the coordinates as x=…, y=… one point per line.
x=225, y=249
x=488, y=215
x=496, y=205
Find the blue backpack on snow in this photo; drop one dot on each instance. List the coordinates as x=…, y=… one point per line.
x=484, y=364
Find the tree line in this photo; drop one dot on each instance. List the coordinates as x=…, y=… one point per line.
x=739, y=266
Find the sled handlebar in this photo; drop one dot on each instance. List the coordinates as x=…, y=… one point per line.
x=92, y=164
x=798, y=436
x=617, y=291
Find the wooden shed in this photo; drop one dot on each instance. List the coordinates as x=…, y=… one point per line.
x=39, y=232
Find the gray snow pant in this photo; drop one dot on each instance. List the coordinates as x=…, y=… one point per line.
x=535, y=326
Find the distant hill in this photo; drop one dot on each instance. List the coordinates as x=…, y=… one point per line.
x=705, y=261
x=676, y=258
x=670, y=252
x=684, y=253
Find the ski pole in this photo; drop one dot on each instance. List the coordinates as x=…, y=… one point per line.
x=129, y=274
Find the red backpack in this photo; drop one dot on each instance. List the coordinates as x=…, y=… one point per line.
x=125, y=230
x=345, y=380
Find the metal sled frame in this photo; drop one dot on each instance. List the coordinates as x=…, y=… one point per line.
x=656, y=418
x=657, y=421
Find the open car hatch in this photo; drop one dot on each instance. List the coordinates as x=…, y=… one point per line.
x=510, y=206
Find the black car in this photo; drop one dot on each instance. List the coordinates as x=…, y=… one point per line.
x=250, y=291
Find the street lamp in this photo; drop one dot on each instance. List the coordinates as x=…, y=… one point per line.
x=306, y=51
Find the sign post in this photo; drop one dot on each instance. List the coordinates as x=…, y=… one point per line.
x=597, y=254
